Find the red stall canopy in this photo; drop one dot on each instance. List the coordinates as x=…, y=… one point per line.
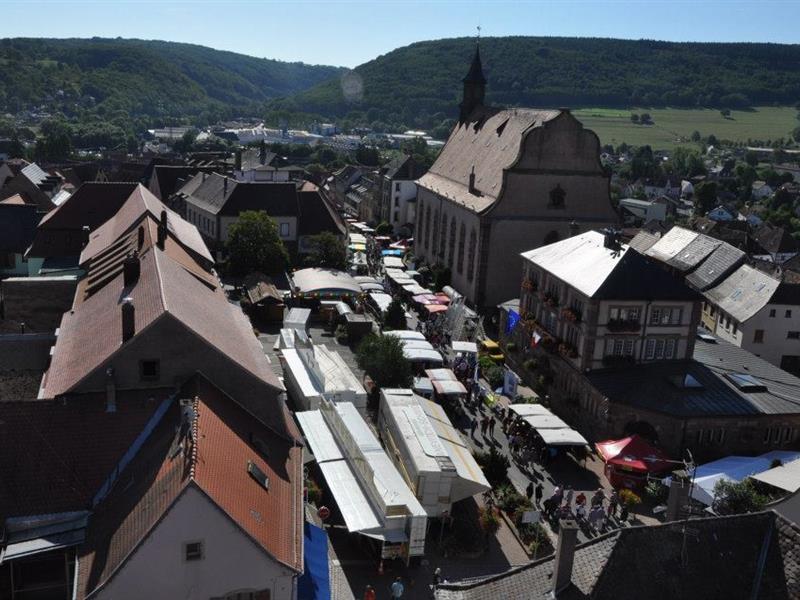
x=634, y=454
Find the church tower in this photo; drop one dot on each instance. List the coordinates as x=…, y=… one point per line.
x=474, y=87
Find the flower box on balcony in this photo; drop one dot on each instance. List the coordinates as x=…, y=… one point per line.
x=623, y=325
x=530, y=285
x=571, y=315
x=550, y=299
x=567, y=350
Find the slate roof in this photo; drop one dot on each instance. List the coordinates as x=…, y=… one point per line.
x=694, y=253
x=214, y=459
x=253, y=159
x=170, y=176
x=721, y=262
x=774, y=240
x=652, y=386
x=403, y=168
x=317, y=215
x=583, y=262
x=713, y=557
x=60, y=232
x=643, y=240
x=217, y=197
x=54, y=455
x=743, y=293
x=672, y=242
x=489, y=143
x=140, y=203
x=17, y=227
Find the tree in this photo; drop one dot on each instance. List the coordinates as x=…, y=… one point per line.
x=796, y=134
x=327, y=252
x=16, y=148
x=736, y=497
x=383, y=228
x=751, y=158
x=395, y=315
x=635, y=118
x=725, y=112
x=368, y=156
x=254, y=245
x=494, y=466
x=381, y=357
x=696, y=136
x=705, y=196
x=186, y=143
x=55, y=143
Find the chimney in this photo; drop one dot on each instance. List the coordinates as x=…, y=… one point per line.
x=238, y=160
x=162, y=230
x=678, y=498
x=565, y=555
x=111, y=391
x=130, y=269
x=224, y=186
x=472, y=189
x=140, y=238
x=128, y=319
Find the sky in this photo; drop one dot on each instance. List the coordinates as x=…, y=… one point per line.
x=350, y=32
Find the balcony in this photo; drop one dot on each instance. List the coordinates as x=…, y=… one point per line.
x=571, y=315
x=550, y=299
x=530, y=285
x=623, y=325
x=567, y=350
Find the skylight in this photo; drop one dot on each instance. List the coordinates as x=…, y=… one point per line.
x=745, y=382
x=256, y=473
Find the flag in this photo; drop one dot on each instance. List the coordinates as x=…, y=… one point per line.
x=511, y=321
x=535, y=339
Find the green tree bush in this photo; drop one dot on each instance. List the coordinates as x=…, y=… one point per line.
x=254, y=245
x=381, y=357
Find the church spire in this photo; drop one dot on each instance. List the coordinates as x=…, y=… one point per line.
x=474, y=87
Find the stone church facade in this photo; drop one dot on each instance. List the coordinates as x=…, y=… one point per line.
x=507, y=181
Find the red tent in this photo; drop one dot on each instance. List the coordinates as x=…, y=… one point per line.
x=630, y=460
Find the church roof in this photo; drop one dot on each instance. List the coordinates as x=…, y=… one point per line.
x=487, y=143
x=475, y=74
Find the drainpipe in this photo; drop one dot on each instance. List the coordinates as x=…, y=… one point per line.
x=644, y=329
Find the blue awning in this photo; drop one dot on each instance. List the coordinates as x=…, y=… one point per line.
x=315, y=583
x=392, y=252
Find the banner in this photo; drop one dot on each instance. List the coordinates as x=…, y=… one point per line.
x=511, y=321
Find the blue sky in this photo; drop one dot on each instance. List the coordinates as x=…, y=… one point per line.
x=349, y=32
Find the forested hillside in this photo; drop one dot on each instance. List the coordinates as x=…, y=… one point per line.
x=420, y=85
x=122, y=78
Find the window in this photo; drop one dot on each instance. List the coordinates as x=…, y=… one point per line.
x=793, y=335
x=788, y=314
x=443, y=237
x=771, y=312
x=630, y=313
x=396, y=217
x=149, y=369
x=619, y=347
x=557, y=195
x=473, y=243
x=193, y=551
x=284, y=229
x=659, y=348
x=462, y=234
x=256, y=473
x=451, y=246
x=572, y=335
x=665, y=315
x=396, y=202
x=758, y=336
x=397, y=186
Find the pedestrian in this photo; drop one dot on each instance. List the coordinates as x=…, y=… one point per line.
x=538, y=493
x=558, y=495
x=623, y=514
x=548, y=506
x=613, y=501
x=369, y=593
x=397, y=588
x=529, y=490
x=437, y=578
x=568, y=496
x=484, y=425
x=473, y=424
x=598, y=497
x=491, y=426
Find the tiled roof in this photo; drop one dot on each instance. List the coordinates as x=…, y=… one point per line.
x=743, y=293
x=720, y=263
x=489, y=143
x=655, y=386
x=694, y=253
x=253, y=159
x=55, y=455
x=170, y=176
x=168, y=287
x=140, y=203
x=643, y=240
x=60, y=231
x=713, y=557
x=774, y=239
x=224, y=196
x=214, y=459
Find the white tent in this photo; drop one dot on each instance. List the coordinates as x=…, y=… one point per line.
x=786, y=477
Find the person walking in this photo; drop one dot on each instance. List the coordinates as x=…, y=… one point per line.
x=369, y=593
x=484, y=425
x=397, y=588
x=613, y=502
x=529, y=490
x=491, y=426
x=538, y=492
x=473, y=424
x=568, y=496
x=437, y=578
x=558, y=495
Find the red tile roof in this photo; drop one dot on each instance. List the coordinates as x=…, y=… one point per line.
x=128, y=217
x=55, y=455
x=215, y=461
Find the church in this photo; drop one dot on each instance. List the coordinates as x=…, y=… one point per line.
x=507, y=181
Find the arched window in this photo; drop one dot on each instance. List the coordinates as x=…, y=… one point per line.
x=443, y=238
x=473, y=243
x=420, y=233
x=462, y=234
x=435, y=236
x=557, y=195
x=428, y=226
x=451, y=247
x=551, y=238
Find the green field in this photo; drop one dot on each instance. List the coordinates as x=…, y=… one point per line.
x=673, y=126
